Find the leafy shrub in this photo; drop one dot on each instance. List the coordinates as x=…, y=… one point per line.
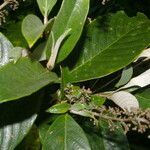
x=74, y=78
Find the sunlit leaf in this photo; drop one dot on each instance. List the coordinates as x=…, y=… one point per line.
x=59, y=108
x=97, y=100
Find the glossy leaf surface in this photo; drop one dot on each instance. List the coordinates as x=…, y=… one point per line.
x=144, y=98
x=46, y=6
x=103, y=139
x=23, y=79
x=65, y=134
x=111, y=44
x=5, y=48
x=59, y=108
x=72, y=15
x=114, y=140
x=17, y=118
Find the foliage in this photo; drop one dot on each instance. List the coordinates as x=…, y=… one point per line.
x=73, y=74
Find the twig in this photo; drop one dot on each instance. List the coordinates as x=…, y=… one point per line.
x=55, y=48
x=4, y=5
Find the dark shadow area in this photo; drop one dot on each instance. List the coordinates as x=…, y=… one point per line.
x=75, y=54
x=131, y=7
x=139, y=141
x=141, y=66
x=103, y=84
x=142, y=89
x=19, y=110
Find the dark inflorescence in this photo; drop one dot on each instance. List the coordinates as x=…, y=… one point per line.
x=136, y=119
x=13, y=4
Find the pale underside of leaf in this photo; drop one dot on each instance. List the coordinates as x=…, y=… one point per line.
x=125, y=100
x=125, y=77
x=140, y=81
x=5, y=48
x=12, y=133
x=17, y=119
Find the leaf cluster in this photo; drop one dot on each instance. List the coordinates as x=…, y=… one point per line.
x=73, y=75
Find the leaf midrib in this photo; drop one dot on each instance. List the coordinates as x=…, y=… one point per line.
x=65, y=132
x=105, y=48
x=45, y=14
x=68, y=22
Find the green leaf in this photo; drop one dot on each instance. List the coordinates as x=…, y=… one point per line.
x=78, y=106
x=65, y=134
x=39, y=54
x=97, y=100
x=8, y=52
x=114, y=140
x=46, y=6
x=112, y=42
x=125, y=77
x=16, y=37
x=16, y=53
x=5, y=48
x=59, y=108
x=96, y=142
x=32, y=29
x=55, y=48
x=144, y=98
x=12, y=28
x=72, y=15
x=140, y=81
x=44, y=126
x=49, y=25
x=104, y=139
x=17, y=118
x=23, y=79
